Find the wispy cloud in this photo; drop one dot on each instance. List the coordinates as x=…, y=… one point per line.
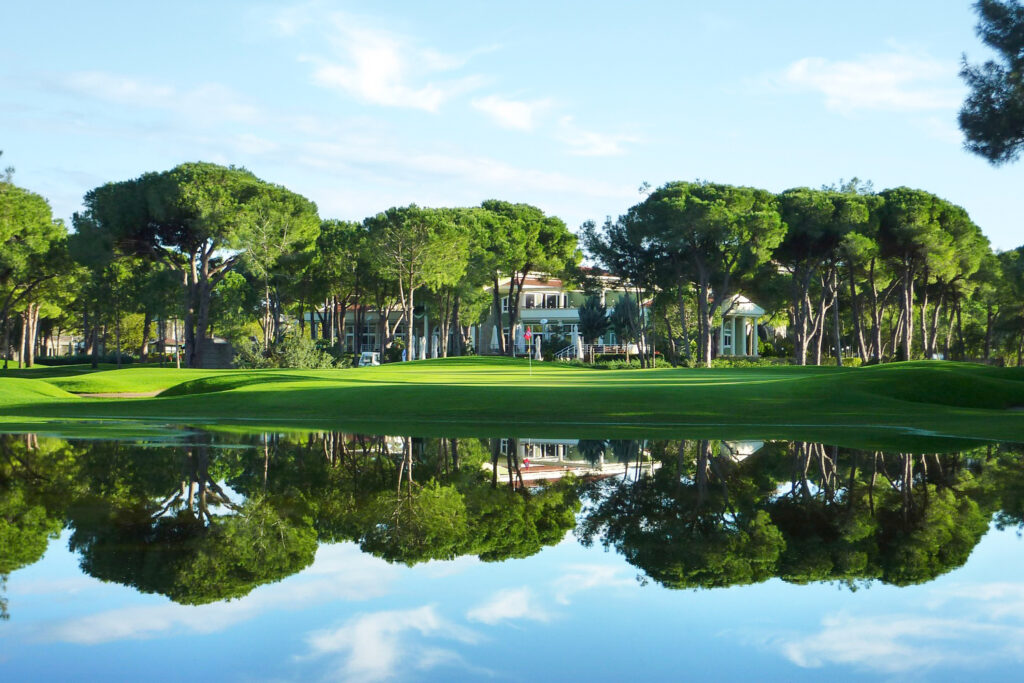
x=507, y=605
x=985, y=626
x=894, y=81
x=378, y=66
x=373, y=646
x=588, y=143
x=208, y=102
x=512, y=114
x=583, y=577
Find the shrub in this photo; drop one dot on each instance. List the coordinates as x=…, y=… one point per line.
x=292, y=351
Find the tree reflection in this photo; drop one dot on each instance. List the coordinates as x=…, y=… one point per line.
x=802, y=512
x=209, y=520
x=186, y=539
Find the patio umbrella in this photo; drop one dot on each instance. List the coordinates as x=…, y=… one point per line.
x=494, y=338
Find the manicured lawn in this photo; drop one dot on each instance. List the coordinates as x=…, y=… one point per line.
x=890, y=405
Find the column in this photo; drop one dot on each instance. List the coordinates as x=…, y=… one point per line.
x=721, y=339
x=740, y=337
x=753, y=339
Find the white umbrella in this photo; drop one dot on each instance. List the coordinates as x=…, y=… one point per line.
x=520, y=340
x=435, y=346
x=579, y=346
x=494, y=338
x=423, y=348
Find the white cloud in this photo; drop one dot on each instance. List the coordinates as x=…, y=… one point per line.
x=341, y=572
x=889, y=82
x=383, y=68
x=587, y=143
x=582, y=577
x=205, y=102
x=513, y=114
x=985, y=626
x=509, y=604
x=374, y=645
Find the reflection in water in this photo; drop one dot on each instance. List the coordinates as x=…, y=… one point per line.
x=715, y=516
x=212, y=518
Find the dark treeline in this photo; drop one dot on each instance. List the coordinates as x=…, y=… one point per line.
x=203, y=250
x=202, y=521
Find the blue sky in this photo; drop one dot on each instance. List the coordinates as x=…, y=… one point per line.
x=567, y=105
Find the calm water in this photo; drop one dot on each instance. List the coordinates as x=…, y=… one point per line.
x=337, y=556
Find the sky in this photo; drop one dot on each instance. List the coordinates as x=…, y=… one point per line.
x=570, y=106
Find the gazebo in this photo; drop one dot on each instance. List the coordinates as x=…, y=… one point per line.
x=738, y=336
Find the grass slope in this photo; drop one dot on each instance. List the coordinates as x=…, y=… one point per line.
x=489, y=397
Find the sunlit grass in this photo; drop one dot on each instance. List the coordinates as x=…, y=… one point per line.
x=498, y=395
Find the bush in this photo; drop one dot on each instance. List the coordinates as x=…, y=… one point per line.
x=393, y=354
x=748, y=362
x=618, y=362
x=292, y=351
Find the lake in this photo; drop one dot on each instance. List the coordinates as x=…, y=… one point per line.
x=250, y=555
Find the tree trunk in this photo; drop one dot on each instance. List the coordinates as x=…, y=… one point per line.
x=496, y=299
x=147, y=327
x=876, y=314
x=33, y=333
x=24, y=338
x=961, y=348
x=857, y=315
x=7, y=340
x=685, y=325
x=515, y=289
x=933, y=338
x=908, y=312
x=836, y=330
x=988, y=331
x=704, y=317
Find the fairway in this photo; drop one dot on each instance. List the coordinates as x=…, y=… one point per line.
x=903, y=403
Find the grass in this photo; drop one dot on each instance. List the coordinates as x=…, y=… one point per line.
x=903, y=404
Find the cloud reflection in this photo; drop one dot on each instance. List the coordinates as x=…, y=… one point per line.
x=374, y=646
x=987, y=626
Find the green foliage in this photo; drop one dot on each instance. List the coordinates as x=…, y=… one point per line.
x=992, y=116
x=593, y=319
x=291, y=351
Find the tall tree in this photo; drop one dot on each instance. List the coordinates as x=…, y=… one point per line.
x=417, y=247
x=911, y=237
x=623, y=248
x=199, y=219
x=337, y=267
x=523, y=239
x=593, y=319
x=718, y=231
x=33, y=249
x=992, y=116
x=816, y=223
x=283, y=226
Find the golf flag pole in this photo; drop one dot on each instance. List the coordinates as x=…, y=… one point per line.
x=528, y=336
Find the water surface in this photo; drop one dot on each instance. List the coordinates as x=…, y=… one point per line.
x=338, y=556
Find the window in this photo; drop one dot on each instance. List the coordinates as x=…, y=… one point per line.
x=504, y=304
x=528, y=301
x=551, y=301
x=727, y=334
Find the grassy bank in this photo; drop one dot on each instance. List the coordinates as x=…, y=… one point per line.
x=488, y=397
